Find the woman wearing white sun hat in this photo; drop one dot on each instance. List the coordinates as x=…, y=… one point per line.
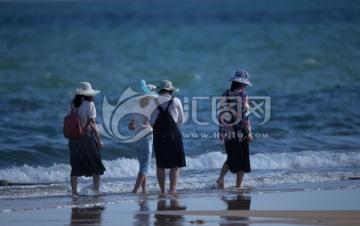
x=85, y=158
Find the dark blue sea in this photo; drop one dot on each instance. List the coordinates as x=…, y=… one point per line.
x=302, y=57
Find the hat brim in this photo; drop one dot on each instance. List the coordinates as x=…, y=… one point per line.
x=158, y=89
x=240, y=80
x=89, y=93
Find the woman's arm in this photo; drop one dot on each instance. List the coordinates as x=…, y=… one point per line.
x=245, y=115
x=181, y=116
x=131, y=124
x=95, y=131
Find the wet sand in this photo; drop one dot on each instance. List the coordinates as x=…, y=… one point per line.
x=221, y=207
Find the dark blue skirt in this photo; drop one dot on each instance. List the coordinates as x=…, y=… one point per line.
x=237, y=156
x=169, y=153
x=85, y=157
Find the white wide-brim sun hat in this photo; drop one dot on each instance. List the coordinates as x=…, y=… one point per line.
x=84, y=88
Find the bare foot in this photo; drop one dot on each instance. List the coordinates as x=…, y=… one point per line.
x=220, y=183
x=162, y=195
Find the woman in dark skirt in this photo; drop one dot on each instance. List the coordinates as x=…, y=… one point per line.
x=169, y=150
x=237, y=156
x=234, y=128
x=85, y=158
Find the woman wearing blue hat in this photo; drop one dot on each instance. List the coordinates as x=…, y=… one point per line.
x=234, y=128
x=143, y=137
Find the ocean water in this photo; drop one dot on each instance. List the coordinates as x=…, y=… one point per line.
x=302, y=57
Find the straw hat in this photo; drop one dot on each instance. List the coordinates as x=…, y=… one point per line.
x=167, y=85
x=84, y=88
x=242, y=77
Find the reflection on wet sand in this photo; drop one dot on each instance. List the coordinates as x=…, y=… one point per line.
x=86, y=212
x=142, y=219
x=240, y=202
x=169, y=219
x=86, y=215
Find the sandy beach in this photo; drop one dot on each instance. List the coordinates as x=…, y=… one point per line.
x=302, y=57
x=220, y=207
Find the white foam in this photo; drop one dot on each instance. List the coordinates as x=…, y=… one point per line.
x=305, y=160
x=125, y=168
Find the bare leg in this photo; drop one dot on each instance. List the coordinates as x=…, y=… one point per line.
x=96, y=182
x=239, y=179
x=174, y=176
x=74, y=183
x=220, y=180
x=143, y=184
x=139, y=181
x=160, y=174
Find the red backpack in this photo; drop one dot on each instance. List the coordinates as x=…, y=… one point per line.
x=72, y=125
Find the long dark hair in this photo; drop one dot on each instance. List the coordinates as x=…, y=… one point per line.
x=236, y=85
x=166, y=91
x=79, y=98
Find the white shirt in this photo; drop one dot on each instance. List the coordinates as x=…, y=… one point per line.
x=86, y=110
x=141, y=117
x=175, y=109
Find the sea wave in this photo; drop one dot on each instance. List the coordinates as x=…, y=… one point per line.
x=125, y=167
x=270, y=171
